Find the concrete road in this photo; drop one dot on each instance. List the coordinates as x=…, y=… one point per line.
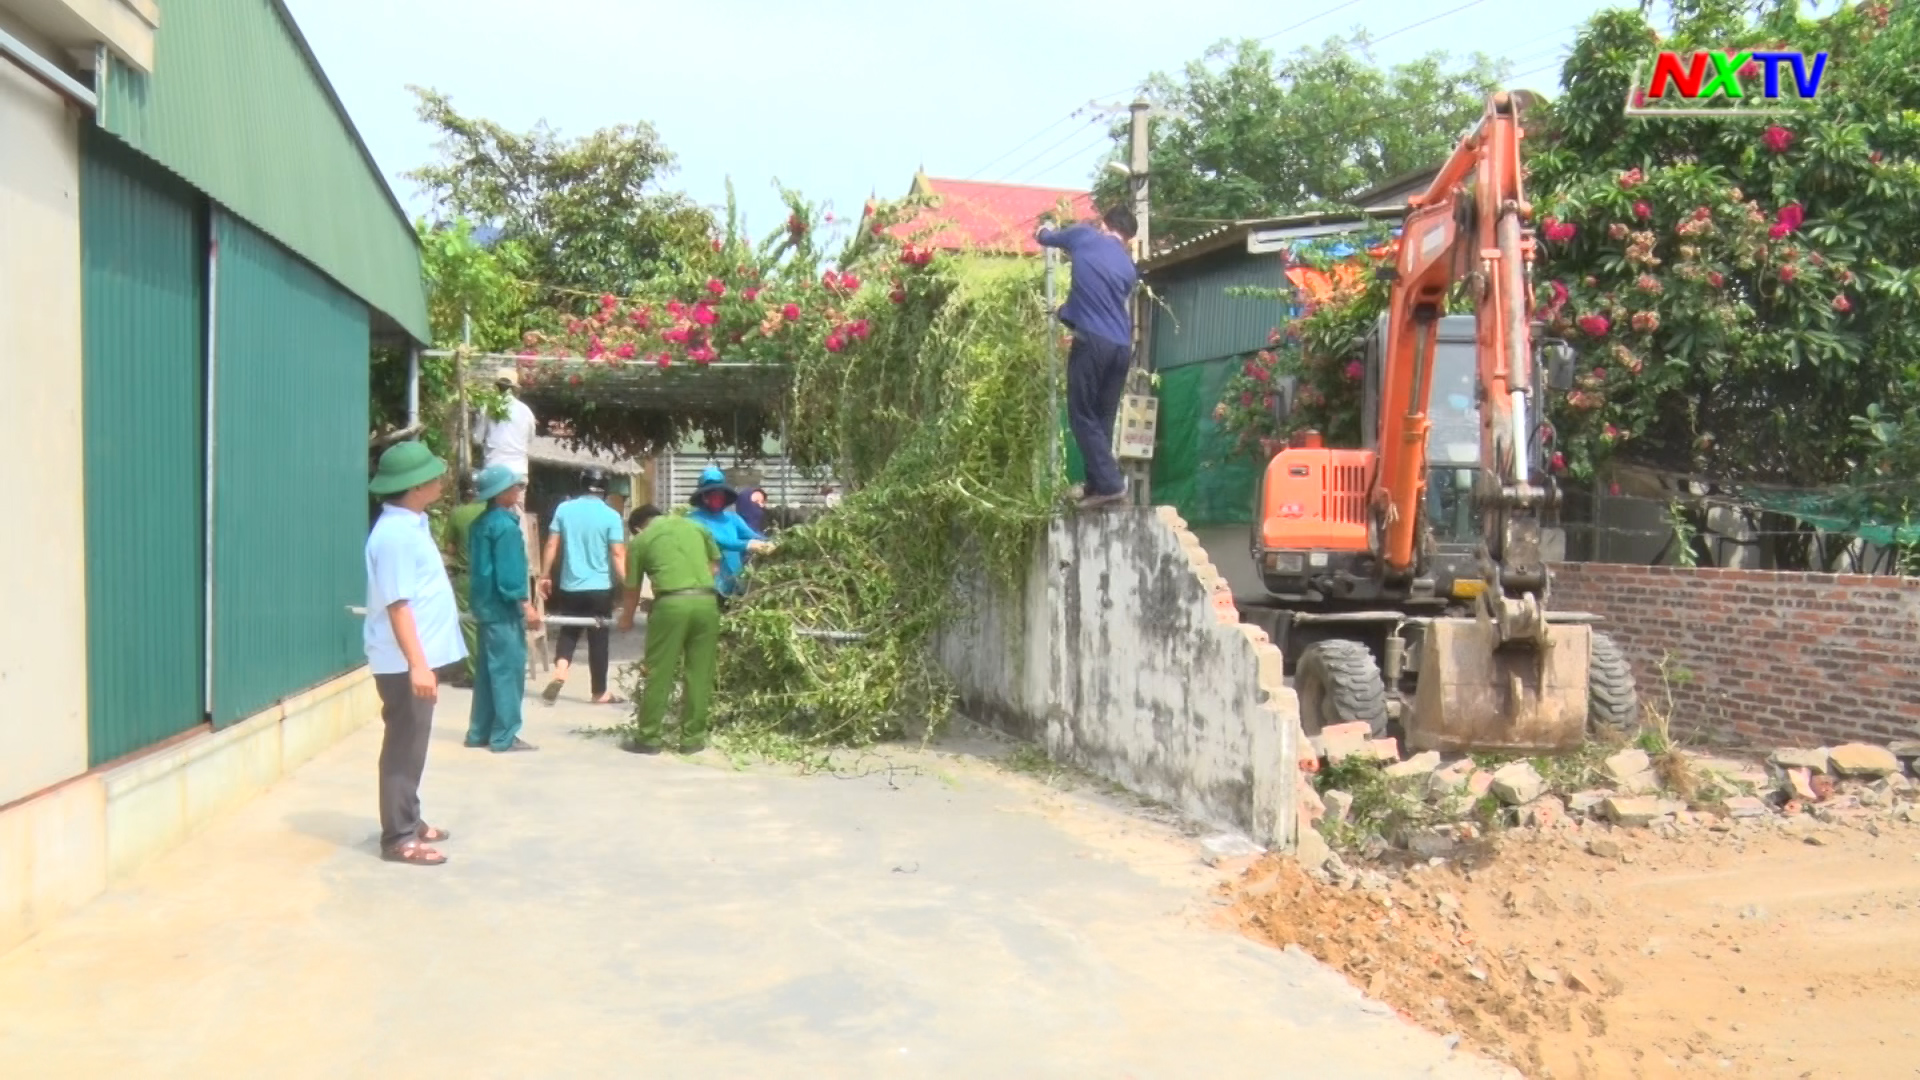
x=924, y=914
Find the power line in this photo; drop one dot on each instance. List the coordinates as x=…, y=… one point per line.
x=1425, y=21
x=1101, y=137
x=1029, y=140
x=1070, y=136
x=1311, y=18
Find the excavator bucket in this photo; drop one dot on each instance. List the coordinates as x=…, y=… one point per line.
x=1472, y=696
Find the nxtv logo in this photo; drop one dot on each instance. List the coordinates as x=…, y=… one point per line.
x=1711, y=83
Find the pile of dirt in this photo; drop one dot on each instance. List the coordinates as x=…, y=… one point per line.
x=1758, y=948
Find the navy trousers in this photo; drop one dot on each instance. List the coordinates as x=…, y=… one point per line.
x=1096, y=379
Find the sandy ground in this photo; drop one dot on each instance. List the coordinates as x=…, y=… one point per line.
x=919, y=914
x=1769, y=950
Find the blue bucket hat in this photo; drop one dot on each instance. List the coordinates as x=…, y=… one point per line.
x=493, y=480
x=713, y=480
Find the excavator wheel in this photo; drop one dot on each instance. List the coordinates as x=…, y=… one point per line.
x=1613, y=704
x=1339, y=683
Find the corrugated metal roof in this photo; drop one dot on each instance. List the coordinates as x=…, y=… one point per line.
x=1236, y=234
x=238, y=106
x=976, y=216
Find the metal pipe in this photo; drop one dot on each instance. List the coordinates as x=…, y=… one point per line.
x=594, y=624
x=44, y=70
x=1053, y=380
x=413, y=386
x=210, y=444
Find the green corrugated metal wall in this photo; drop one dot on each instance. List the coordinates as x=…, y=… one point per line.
x=1202, y=322
x=289, y=500
x=235, y=107
x=142, y=236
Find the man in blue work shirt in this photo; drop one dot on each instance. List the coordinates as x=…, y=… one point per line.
x=1100, y=314
x=595, y=548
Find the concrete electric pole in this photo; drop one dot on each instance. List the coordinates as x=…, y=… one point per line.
x=1138, y=165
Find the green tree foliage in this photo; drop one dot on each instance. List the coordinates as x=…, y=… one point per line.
x=1250, y=135
x=588, y=213
x=1741, y=289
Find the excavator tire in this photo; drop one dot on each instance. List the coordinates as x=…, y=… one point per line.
x=1339, y=683
x=1613, y=704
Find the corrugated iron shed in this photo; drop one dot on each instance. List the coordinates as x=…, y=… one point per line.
x=238, y=106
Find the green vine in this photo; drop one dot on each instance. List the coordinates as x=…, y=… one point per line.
x=944, y=430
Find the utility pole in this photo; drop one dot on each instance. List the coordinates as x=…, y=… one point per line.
x=1138, y=165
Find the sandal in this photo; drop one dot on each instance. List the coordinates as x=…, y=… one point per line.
x=552, y=693
x=414, y=852
x=610, y=699
x=430, y=835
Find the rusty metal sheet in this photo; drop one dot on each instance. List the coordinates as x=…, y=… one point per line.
x=1473, y=697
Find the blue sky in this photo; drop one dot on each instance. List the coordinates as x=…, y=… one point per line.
x=844, y=98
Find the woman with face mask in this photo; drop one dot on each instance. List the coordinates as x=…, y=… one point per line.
x=713, y=503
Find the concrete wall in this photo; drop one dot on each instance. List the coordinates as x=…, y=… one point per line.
x=1759, y=656
x=1124, y=655
x=43, y=639
x=66, y=845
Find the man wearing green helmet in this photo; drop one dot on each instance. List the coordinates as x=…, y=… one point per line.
x=502, y=610
x=412, y=632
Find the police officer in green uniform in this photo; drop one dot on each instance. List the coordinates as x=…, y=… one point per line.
x=502, y=609
x=679, y=557
x=459, y=523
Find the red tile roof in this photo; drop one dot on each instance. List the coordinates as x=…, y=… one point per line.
x=987, y=217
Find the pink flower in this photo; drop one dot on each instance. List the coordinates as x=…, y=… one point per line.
x=835, y=343
x=1639, y=99
x=898, y=296
x=665, y=359
x=594, y=349
x=1559, y=293
x=1561, y=232
x=1777, y=139
x=608, y=301
x=716, y=244
x=860, y=329
x=625, y=352
x=678, y=335
x=704, y=315
x=1355, y=372
x=1559, y=462
x=676, y=309
x=1716, y=279
x=752, y=293
x=640, y=317
x=1646, y=321
x=1631, y=178
x=701, y=355
x=1593, y=325
x=830, y=279
x=1642, y=211
x=575, y=326
x=716, y=287
x=791, y=313
x=1778, y=230
x=1841, y=303
x=1788, y=273
x=850, y=282
x=1791, y=215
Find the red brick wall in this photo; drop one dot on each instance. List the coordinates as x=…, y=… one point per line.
x=1776, y=658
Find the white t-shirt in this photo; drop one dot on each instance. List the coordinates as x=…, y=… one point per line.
x=507, y=441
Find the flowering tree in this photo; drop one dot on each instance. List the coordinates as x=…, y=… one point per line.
x=1742, y=293
x=1739, y=290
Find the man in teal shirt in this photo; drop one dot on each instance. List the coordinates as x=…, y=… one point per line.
x=588, y=541
x=502, y=611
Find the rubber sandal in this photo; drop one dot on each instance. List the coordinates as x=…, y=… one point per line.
x=615, y=699
x=414, y=853
x=430, y=835
x=552, y=693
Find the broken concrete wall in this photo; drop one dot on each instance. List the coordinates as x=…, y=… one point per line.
x=1123, y=655
x=1758, y=656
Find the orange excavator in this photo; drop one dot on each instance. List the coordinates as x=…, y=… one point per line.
x=1406, y=581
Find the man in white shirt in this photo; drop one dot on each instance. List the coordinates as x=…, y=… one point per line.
x=412, y=632
x=507, y=441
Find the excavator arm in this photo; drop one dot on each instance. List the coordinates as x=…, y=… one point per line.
x=1476, y=234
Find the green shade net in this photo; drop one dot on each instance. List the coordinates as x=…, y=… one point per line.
x=1196, y=468
x=1835, y=512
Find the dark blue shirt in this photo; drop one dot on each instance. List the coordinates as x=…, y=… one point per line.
x=1103, y=280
